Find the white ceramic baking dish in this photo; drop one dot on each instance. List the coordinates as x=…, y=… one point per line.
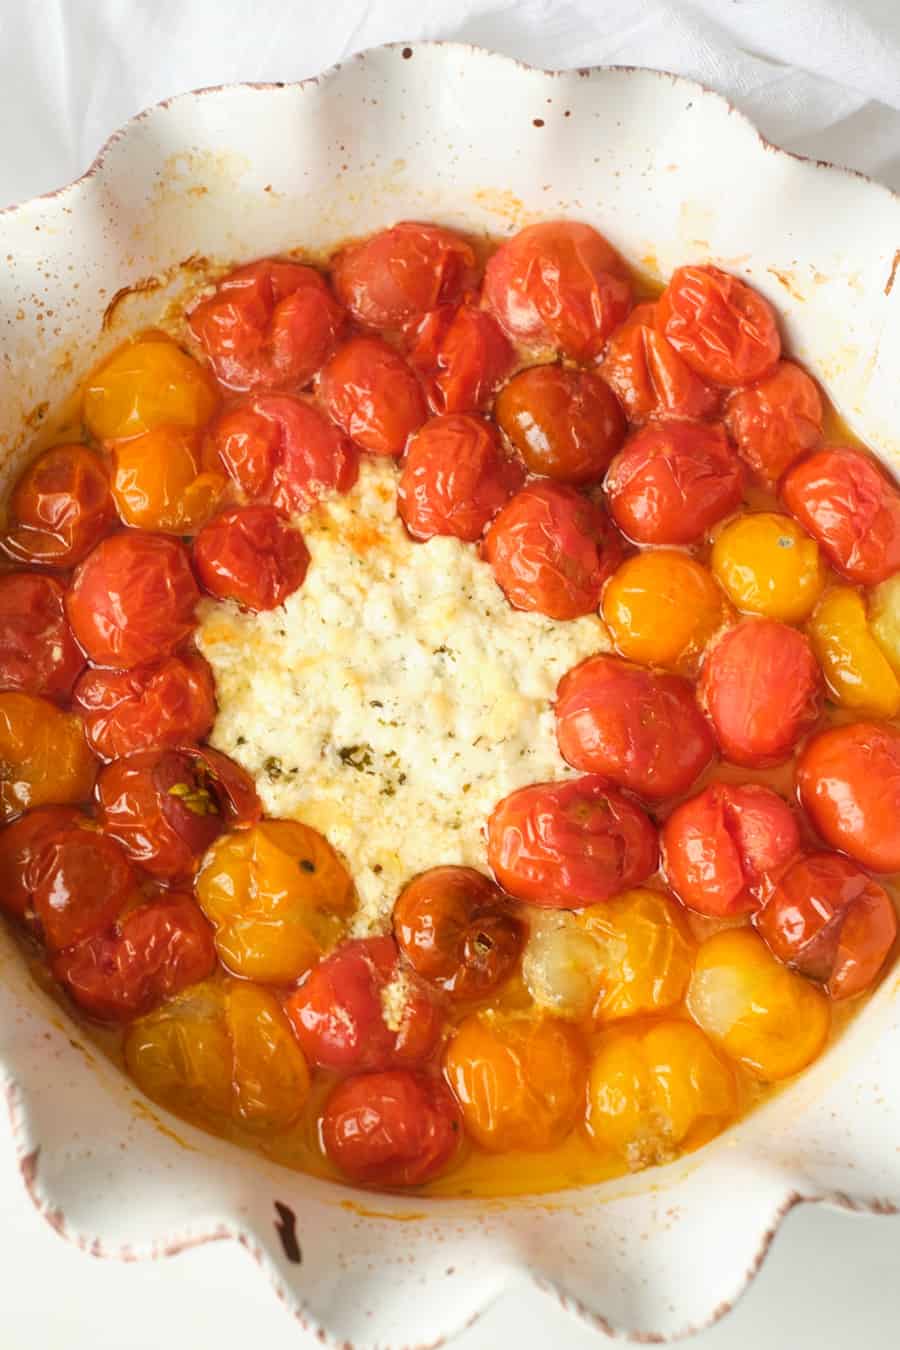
x=671, y=173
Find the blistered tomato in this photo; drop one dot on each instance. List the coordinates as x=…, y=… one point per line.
x=158, y=482
x=644, y=953
x=252, y=555
x=724, y=330
x=884, y=619
x=769, y=566
x=391, y=1129
x=373, y=395
x=81, y=881
x=849, y=782
x=44, y=755
x=277, y=895
x=566, y=424
x=146, y=384
x=648, y=376
x=456, y=477
x=461, y=355
x=559, y=965
x=60, y=508
x=270, y=1077
x=400, y=273
x=775, y=421
x=161, y=704
x=21, y=847
x=844, y=500
x=661, y=608
x=857, y=672
x=38, y=654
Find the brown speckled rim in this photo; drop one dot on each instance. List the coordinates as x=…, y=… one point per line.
x=27, y=1152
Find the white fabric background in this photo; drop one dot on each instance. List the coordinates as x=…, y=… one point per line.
x=821, y=77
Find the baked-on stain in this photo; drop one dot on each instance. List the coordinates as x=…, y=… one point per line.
x=195, y=262
x=889, y=284
x=286, y=1228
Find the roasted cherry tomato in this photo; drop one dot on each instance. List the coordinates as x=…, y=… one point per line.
x=81, y=881
x=775, y=421
x=769, y=566
x=278, y=897
x=642, y=730
x=566, y=424
x=559, y=284
x=359, y=1009
x=458, y=931
x=648, y=376
x=461, y=355
x=44, y=758
x=518, y=1078
x=157, y=705
x=133, y=599
x=831, y=922
x=724, y=330
x=722, y=848
x=145, y=384
x=570, y=844
x=38, y=654
x=60, y=508
x=251, y=555
x=151, y=953
x=884, y=619
x=672, y=480
x=849, y=782
x=551, y=550
x=158, y=482
x=455, y=479
x=395, y=1128
x=400, y=273
x=847, y=503
x=857, y=672
x=21, y=846
x=661, y=608
x=373, y=395
x=762, y=688
x=268, y=326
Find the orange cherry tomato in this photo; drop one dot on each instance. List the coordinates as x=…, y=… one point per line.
x=767, y=565
x=147, y=383
x=373, y=395
x=845, y=502
x=566, y=424
x=81, y=881
x=762, y=688
x=251, y=555
x=642, y=730
x=723, y=329
x=648, y=376
x=461, y=355
x=856, y=665
x=400, y=273
x=395, y=1128
x=158, y=482
x=38, y=654
x=59, y=509
x=455, y=478
x=566, y=845
x=661, y=608
x=44, y=758
x=154, y=706
x=458, y=931
x=849, y=782
x=551, y=550
x=723, y=847
x=133, y=599
x=558, y=284
x=831, y=922
x=268, y=326
x=775, y=421
x=673, y=480
x=21, y=846
x=644, y=953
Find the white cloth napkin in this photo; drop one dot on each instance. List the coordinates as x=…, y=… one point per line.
x=821, y=77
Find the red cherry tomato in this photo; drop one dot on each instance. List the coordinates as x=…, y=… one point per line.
x=133, y=599
x=21, y=846
x=564, y=423
x=461, y=355
x=251, y=555
x=552, y=550
x=831, y=922
x=850, y=507
x=38, y=654
x=567, y=845
x=558, y=284
x=60, y=508
x=724, y=330
x=373, y=395
x=642, y=730
x=672, y=480
x=398, y=274
x=269, y=325
x=82, y=879
x=648, y=376
x=150, y=954
x=154, y=706
x=849, y=782
x=455, y=478
x=775, y=421
x=762, y=687
x=721, y=848
x=344, y=1018
x=391, y=1129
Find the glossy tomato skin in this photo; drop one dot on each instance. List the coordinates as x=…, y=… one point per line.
x=558, y=284
x=158, y=705
x=831, y=922
x=673, y=480
x=846, y=503
x=60, y=508
x=762, y=688
x=45, y=758
x=724, y=846
x=21, y=846
x=160, y=482
x=38, y=654
x=341, y=1021
x=456, y=477
x=848, y=779
x=81, y=879
x=552, y=550
x=775, y=421
x=461, y=355
x=372, y=394
x=252, y=555
x=269, y=326
x=394, y=1128
x=566, y=424
x=132, y=599
x=647, y=375
x=146, y=383
x=567, y=845
x=400, y=273
x=720, y=326
x=642, y=730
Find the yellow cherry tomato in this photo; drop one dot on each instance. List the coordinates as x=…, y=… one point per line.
x=657, y=1091
x=277, y=895
x=271, y=1078
x=644, y=953
x=661, y=608
x=884, y=618
x=768, y=565
x=857, y=672
x=158, y=482
x=146, y=384
x=44, y=758
x=763, y=1015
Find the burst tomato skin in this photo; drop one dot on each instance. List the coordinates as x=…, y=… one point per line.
x=400, y=273
x=455, y=478
x=158, y=705
x=647, y=375
x=848, y=778
x=566, y=424
x=81, y=881
x=461, y=355
x=21, y=846
x=372, y=394
x=251, y=555
x=394, y=1128
x=60, y=508
x=775, y=421
x=846, y=503
x=722, y=328
x=38, y=654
